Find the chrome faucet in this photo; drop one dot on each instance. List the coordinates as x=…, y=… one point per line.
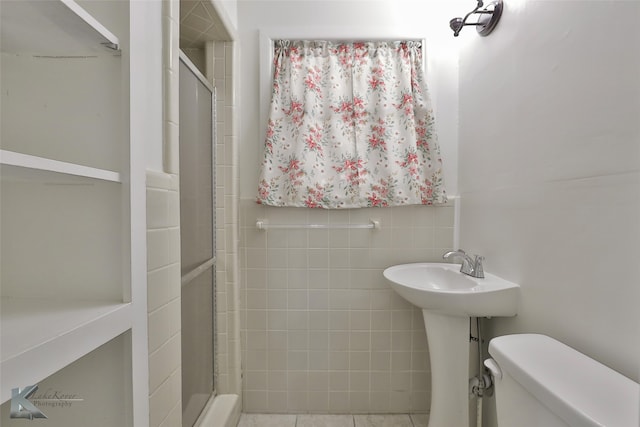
x=470, y=266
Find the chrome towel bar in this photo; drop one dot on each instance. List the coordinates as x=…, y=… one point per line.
x=262, y=224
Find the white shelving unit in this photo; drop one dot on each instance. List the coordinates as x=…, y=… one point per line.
x=66, y=280
x=41, y=336
x=18, y=165
x=52, y=28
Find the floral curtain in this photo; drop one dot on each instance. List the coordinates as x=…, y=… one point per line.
x=350, y=126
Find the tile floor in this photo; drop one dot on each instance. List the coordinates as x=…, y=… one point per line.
x=305, y=420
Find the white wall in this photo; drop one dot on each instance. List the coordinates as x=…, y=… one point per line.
x=550, y=170
x=230, y=9
x=149, y=23
x=358, y=19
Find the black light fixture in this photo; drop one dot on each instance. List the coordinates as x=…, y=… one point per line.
x=489, y=17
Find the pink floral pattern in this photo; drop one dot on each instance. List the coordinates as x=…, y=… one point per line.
x=350, y=126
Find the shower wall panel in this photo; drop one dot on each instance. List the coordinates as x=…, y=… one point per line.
x=197, y=225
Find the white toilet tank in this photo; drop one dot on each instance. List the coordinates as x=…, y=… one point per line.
x=540, y=382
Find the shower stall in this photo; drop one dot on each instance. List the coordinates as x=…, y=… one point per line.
x=197, y=240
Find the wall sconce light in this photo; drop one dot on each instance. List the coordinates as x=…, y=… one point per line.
x=489, y=17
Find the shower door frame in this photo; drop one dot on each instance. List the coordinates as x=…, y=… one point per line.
x=211, y=262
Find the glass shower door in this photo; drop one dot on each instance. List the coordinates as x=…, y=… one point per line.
x=197, y=231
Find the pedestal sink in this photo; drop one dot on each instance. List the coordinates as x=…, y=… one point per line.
x=448, y=299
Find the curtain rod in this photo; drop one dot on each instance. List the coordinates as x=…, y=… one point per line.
x=262, y=224
x=351, y=40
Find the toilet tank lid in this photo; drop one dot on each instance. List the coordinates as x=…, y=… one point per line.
x=578, y=389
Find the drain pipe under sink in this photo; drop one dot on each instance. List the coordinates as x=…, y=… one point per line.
x=482, y=382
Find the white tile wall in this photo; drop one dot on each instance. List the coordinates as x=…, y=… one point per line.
x=171, y=115
x=322, y=331
x=227, y=222
x=163, y=298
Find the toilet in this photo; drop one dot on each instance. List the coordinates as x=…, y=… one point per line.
x=541, y=382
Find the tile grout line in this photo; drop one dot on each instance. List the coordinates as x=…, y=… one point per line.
x=299, y=423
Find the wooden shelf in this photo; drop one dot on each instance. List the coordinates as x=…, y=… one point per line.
x=58, y=27
x=41, y=336
x=14, y=165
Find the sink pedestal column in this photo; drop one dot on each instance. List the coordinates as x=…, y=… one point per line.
x=448, y=338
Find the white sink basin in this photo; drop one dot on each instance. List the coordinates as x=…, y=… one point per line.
x=441, y=288
x=448, y=299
